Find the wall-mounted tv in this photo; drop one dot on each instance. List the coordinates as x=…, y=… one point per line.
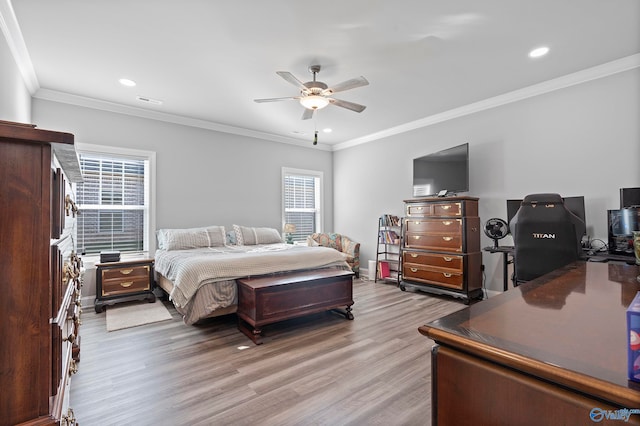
x=446, y=170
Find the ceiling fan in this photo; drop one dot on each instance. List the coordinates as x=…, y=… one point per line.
x=315, y=94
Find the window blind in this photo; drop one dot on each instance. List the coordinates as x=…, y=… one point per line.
x=301, y=204
x=111, y=203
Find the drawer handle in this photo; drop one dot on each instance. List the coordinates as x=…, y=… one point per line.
x=69, y=419
x=416, y=237
x=446, y=275
x=448, y=259
x=418, y=208
x=446, y=207
x=71, y=338
x=126, y=284
x=414, y=255
x=447, y=238
x=70, y=206
x=126, y=271
x=446, y=222
x=417, y=222
x=73, y=367
x=414, y=269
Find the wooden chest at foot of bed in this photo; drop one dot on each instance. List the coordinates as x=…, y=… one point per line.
x=268, y=299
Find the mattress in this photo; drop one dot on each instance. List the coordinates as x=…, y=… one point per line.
x=201, y=282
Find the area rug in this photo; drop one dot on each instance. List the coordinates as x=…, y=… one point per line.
x=133, y=315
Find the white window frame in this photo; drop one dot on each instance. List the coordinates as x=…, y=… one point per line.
x=149, y=244
x=287, y=171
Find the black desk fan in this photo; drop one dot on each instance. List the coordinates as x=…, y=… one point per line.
x=496, y=229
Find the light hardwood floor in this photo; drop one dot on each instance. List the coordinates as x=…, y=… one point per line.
x=317, y=370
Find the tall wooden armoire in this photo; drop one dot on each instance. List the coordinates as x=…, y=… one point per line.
x=40, y=275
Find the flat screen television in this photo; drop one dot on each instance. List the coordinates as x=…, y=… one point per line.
x=442, y=172
x=574, y=204
x=621, y=224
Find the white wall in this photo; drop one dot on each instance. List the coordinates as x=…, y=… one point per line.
x=15, y=99
x=204, y=177
x=581, y=140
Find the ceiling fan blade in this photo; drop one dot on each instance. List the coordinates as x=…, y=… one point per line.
x=346, y=104
x=293, y=80
x=289, y=98
x=307, y=114
x=346, y=85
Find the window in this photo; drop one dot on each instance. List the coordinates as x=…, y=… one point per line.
x=302, y=195
x=114, y=200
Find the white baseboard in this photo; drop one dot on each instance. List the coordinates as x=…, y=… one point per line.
x=491, y=293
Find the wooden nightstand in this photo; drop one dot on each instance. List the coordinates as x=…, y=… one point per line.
x=124, y=281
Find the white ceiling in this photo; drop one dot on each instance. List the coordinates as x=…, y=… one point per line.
x=208, y=60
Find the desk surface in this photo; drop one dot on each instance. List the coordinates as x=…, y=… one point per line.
x=568, y=326
x=500, y=249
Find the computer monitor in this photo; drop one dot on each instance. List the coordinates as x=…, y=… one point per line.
x=574, y=204
x=629, y=197
x=512, y=208
x=621, y=224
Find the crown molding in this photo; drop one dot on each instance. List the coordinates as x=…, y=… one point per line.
x=604, y=70
x=13, y=35
x=87, y=102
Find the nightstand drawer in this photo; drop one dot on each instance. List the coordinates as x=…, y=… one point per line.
x=125, y=285
x=126, y=273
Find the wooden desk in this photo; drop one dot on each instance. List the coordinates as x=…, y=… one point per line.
x=551, y=351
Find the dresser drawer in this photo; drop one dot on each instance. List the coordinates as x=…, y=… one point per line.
x=435, y=209
x=446, y=226
x=419, y=210
x=438, y=242
x=422, y=273
x=453, y=262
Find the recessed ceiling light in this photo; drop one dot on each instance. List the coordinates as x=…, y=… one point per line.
x=538, y=52
x=327, y=130
x=127, y=82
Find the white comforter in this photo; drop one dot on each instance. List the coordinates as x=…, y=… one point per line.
x=191, y=269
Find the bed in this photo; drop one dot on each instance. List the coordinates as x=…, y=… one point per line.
x=198, y=267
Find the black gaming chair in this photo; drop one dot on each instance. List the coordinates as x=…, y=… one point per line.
x=546, y=236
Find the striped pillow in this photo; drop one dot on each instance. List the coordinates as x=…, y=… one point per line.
x=190, y=238
x=247, y=236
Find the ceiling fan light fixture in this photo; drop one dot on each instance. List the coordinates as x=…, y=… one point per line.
x=314, y=102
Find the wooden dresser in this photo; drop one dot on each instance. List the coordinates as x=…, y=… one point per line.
x=40, y=273
x=551, y=352
x=441, y=246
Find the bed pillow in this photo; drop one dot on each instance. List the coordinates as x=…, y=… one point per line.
x=248, y=236
x=231, y=238
x=189, y=238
